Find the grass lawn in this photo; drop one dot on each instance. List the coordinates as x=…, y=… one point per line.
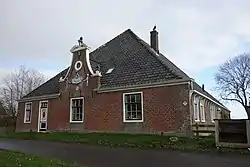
x=16, y=159
x=128, y=140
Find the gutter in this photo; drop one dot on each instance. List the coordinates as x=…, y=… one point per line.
x=143, y=86
x=43, y=97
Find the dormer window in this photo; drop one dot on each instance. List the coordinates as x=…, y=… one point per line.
x=109, y=70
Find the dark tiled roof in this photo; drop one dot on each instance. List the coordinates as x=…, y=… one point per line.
x=134, y=62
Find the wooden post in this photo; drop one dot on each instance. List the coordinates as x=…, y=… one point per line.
x=248, y=131
x=197, y=130
x=217, y=132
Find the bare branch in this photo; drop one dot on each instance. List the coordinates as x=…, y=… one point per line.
x=16, y=85
x=233, y=79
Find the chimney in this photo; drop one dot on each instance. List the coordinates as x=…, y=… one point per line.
x=203, y=89
x=154, y=39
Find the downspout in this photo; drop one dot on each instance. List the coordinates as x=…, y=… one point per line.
x=190, y=103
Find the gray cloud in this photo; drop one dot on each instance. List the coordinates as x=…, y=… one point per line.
x=189, y=31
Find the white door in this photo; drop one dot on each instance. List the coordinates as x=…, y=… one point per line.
x=43, y=119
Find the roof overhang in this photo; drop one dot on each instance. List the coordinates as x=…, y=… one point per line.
x=144, y=86
x=43, y=97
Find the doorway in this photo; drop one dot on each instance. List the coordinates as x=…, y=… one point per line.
x=43, y=116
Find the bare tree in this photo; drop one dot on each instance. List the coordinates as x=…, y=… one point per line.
x=16, y=85
x=233, y=80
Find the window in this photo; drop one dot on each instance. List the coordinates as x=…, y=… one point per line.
x=196, y=109
x=133, y=107
x=218, y=113
x=212, y=112
x=27, y=112
x=76, y=110
x=202, y=111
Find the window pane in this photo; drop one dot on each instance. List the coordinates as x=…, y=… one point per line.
x=132, y=98
x=138, y=107
x=127, y=98
x=133, y=107
x=28, y=106
x=81, y=101
x=139, y=115
x=128, y=115
x=134, y=115
x=138, y=98
x=196, y=112
x=129, y=107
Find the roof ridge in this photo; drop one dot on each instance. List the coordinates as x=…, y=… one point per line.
x=156, y=55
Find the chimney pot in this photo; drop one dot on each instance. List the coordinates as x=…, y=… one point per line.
x=203, y=88
x=154, y=40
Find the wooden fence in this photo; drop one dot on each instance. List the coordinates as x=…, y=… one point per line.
x=233, y=133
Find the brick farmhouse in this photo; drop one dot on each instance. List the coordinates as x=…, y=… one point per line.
x=125, y=85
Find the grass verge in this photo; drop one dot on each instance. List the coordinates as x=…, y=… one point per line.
x=202, y=144
x=16, y=159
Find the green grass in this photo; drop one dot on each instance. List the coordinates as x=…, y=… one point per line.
x=16, y=159
x=128, y=140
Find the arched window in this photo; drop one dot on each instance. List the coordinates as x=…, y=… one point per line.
x=212, y=112
x=202, y=110
x=196, y=108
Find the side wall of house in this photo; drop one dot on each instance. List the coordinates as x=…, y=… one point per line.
x=219, y=112
x=163, y=110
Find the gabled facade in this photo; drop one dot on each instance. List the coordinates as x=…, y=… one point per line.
x=126, y=85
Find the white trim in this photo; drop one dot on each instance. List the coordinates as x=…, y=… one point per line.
x=70, y=113
x=43, y=97
x=212, y=111
x=78, y=68
x=24, y=119
x=196, y=109
x=202, y=110
x=210, y=99
x=39, y=114
x=143, y=86
x=88, y=62
x=123, y=103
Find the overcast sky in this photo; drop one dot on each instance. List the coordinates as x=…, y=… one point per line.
x=196, y=35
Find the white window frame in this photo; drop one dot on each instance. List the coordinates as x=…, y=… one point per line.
x=39, y=114
x=196, y=109
x=212, y=112
x=218, y=115
x=76, y=98
x=124, y=107
x=25, y=108
x=202, y=110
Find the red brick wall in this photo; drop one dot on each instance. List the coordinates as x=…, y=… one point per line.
x=163, y=112
x=20, y=125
